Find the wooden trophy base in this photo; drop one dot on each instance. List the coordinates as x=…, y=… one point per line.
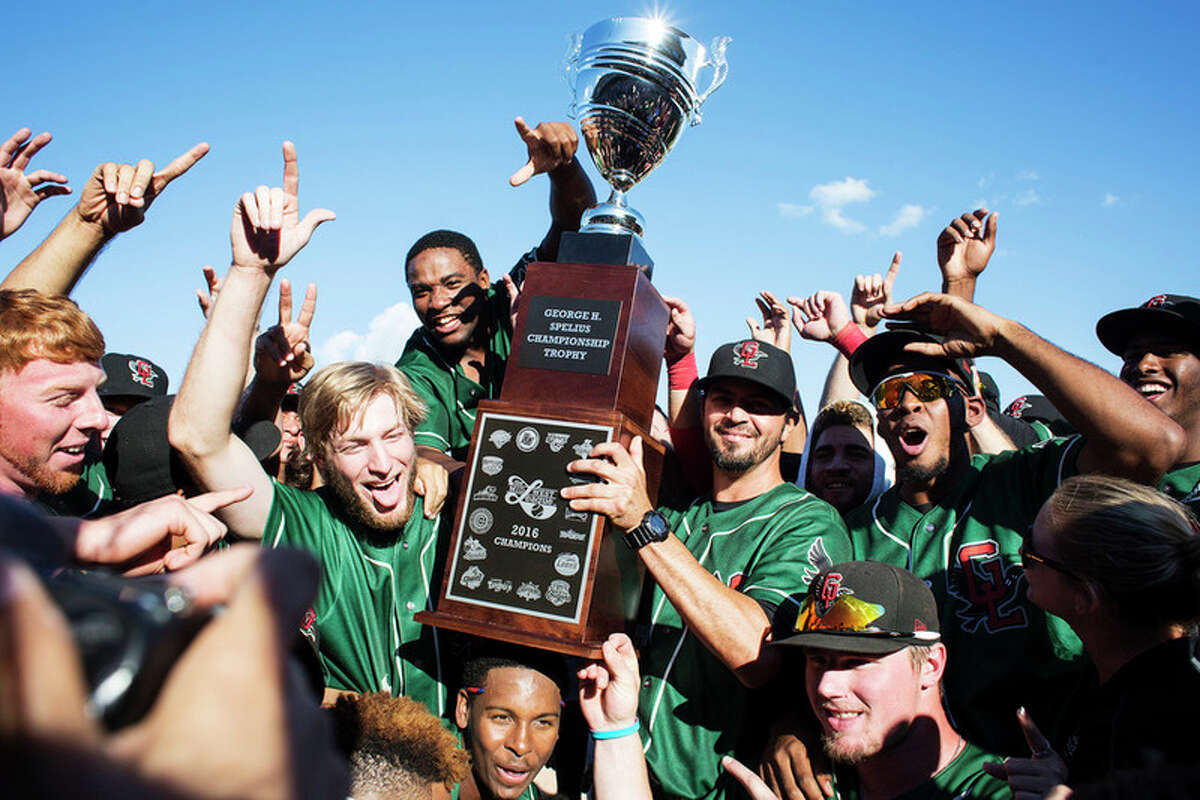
x=523, y=566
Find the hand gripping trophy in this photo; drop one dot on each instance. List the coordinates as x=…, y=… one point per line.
x=586, y=353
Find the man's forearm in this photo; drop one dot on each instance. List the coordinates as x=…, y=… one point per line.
x=730, y=624
x=208, y=397
x=56, y=265
x=1126, y=435
x=571, y=194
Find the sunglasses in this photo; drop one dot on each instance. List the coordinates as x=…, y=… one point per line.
x=925, y=386
x=849, y=614
x=1029, y=555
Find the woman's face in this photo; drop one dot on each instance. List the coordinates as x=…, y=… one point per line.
x=1052, y=585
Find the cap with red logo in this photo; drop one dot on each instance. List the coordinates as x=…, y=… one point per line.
x=754, y=361
x=127, y=375
x=1176, y=315
x=866, y=607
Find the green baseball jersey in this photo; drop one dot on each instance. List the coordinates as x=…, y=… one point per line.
x=370, y=589
x=1004, y=652
x=1182, y=483
x=450, y=396
x=693, y=710
x=962, y=778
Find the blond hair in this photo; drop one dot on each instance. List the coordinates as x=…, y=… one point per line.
x=336, y=394
x=34, y=325
x=1136, y=545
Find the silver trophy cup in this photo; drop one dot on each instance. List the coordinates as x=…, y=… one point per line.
x=633, y=83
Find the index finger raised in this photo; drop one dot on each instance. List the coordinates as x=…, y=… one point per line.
x=1038, y=743
x=180, y=165
x=309, y=307
x=291, y=170
x=285, y=301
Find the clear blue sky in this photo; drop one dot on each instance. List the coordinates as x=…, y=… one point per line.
x=1078, y=122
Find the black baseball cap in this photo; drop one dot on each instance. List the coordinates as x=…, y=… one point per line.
x=866, y=607
x=884, y=354
x=757, y=362
x=1175, y=314
x=291, y=398
x=140, y=462
x=128, y=375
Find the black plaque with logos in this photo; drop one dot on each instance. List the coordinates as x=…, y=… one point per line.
x=521, y=547
x=569, y=334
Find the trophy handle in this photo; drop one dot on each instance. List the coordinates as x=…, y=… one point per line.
x=571, y=68
x=716, y=60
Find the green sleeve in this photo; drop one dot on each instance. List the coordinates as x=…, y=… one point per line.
x=805, y=539
x=1037, y=470
x=434, y=430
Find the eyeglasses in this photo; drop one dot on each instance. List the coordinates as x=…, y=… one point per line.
x=925, y=386
x=849, y=614
x=1028, y=554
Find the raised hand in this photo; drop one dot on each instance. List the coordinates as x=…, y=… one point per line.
x=117, y=196
x=267, y=230
x=681, y=330
x=775, y=317
x=1032, y=777
x=872, y=292
x=608, y=692
x=550, y=144
x=966, y=244
x=820, y=317
x=18, y=195
x=208, y=299
x=968, y=330
x=282, y=354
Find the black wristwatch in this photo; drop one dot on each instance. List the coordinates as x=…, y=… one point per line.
x=653, y=528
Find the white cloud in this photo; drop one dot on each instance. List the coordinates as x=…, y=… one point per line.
x=837, y=219
x=793, y=210
x=1029, y=197
x=1110, y=200
x=841, y=193
x=383, y=341
x=909, y=216
x=1028, y=175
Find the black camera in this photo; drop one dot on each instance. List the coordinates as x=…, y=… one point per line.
x=129, y=633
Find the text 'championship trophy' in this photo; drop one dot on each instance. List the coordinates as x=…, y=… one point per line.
x=584, y=367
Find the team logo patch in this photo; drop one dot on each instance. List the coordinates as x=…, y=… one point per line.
x=480, y=521
x=566, y=564
x=140, y=371
x=818, y=560
x=308, y=626
x=491, y=465
x=473, y=550
x=1017, y=407
x=528, y=439
x=499, y=438
x=1156, y=301
x=987, y=587
x=584, y=448
x=487, y=494
x=571, y=515
x=472, y=578
x=747, y=354
x=829, y=590
x=558, y=593
x=499, y=585
x=574, y=536
x=530, y=591
x=555, y=441
x=537, y=502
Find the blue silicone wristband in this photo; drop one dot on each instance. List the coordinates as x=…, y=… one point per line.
x=618, y=733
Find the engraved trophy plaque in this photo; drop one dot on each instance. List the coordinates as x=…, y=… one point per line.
x=584, y=367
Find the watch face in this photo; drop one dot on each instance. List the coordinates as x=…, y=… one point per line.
x=657, y=524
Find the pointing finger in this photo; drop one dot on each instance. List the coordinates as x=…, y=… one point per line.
x=291, y=170
x=212, y=501
x=179, y=166
x=890, y=279
x=523, y=130
x=1038, y=744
